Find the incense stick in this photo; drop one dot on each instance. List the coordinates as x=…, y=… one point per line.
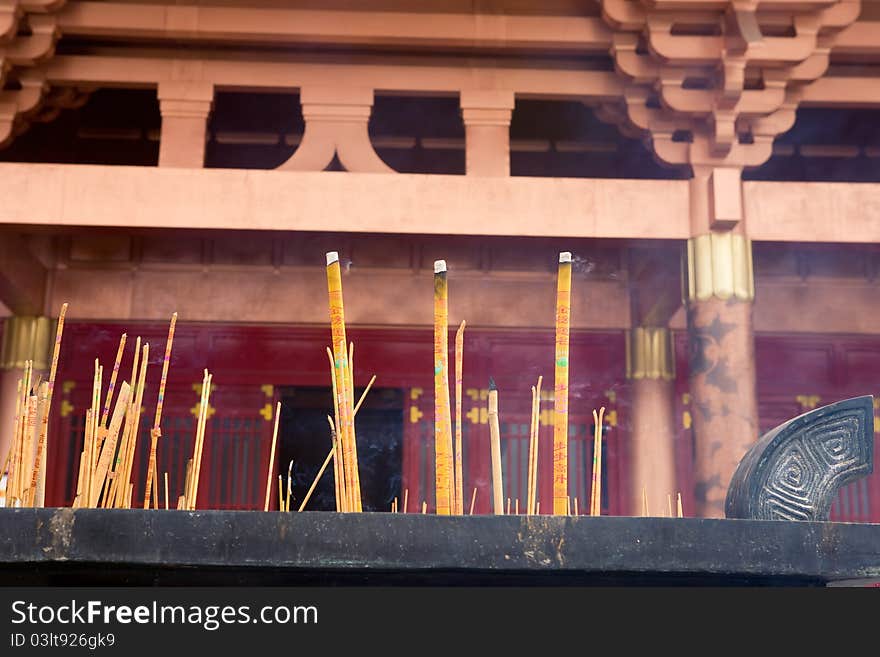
x=364, y=395
x=166, y=490
x=679, y=509
x=458, y=501
x=156, y=431
x=106, y=412
x=495, y=450
x=473, y=499
x=289, y=486
x=320, y=472
x=424, y=507
x=443, y=459
x=668, y=505
x=338, y=462
x=272, y=456
x=644, y=502
x=560, y=416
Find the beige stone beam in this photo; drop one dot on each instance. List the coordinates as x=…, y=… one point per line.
x=843, y=92
x=22, y=276
x=284, y=26
x=371, y=297
x=860, y=38
x=812, y=212
x=407, y=75
x=141, y=197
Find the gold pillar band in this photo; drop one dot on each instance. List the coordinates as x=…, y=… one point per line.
x=26, y=338
x=650, y=354
x=720, y=265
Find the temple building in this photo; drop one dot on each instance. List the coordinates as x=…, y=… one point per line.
x=713, y=166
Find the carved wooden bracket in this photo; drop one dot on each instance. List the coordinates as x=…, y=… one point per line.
x=336, y=124
x=713, y=83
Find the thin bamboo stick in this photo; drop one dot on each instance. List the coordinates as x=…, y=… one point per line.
x=508, y=507
x=575, y=505
x=516, y=506
x=356, y=475
x=679, y=509
x=203, y=417
x=473, y=499
x=272, y=456
x=405, y=499
x=166, y=490
x=458, y=500
x=364, y=394
x=156, y=431
x=599, y=431
x=289, y=486
x=281, y=492
x=644, y=502
x=495, y=451
x=108, y=449
x=424, y=507
x=105, y=415
x=560, y=411
x=320, y=473
x=53, y=369
x=443, y=459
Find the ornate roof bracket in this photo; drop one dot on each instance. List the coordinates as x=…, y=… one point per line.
x=713, y=82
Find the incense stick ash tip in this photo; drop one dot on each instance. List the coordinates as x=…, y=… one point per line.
x=439, y=266
x=332, y=256
x=565, y=256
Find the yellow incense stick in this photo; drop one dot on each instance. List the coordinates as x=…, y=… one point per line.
x=53, y=369
x=105, y=415
x=405, y=498
x=338, y=464
x=679, y=509
x=508, y=507
x=560, y=401
x=443, y=463
x=280, y=492
x=364, y=395
x=473, y=500
x=668, y=505
x=156, y=431
x=575, y=505
x=166, y=490
x=495, y=451
x=644, y=502
x=289, y=486
x=272, y=456
x=424, y=507
x=458, y=501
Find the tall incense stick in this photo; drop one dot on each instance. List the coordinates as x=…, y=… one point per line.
x=53, y=369
x=443, y=464
x=495, y=451
x=105, y=415
x=459, y=380
x=560, y=409
x=272, y=457
x=156, y=431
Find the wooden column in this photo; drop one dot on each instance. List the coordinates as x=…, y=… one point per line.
x=720, y=297
x=185, y=107
x=650, y=367
x=486, y=115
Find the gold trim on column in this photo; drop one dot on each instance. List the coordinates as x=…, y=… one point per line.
x=26, y=338
x=720, y=265
x=650, y=354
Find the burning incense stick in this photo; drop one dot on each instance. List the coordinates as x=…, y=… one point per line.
x=560, y=410
x=473, y=499
x=495, y=450
x=272, y=456
x=458, y=501
x=443, y=464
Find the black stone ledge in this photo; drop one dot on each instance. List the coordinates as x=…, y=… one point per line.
x=137, y=547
